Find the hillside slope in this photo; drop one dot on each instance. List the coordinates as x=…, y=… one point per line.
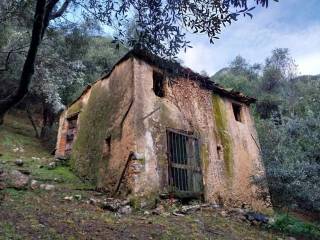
x=69, y=210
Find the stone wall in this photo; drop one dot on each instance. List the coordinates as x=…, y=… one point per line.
x=74, y=109
x=105, y=137
x=228, y=148
x=121, y=115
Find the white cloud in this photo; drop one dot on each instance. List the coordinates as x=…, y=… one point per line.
x=254, y=39
x=309, y=64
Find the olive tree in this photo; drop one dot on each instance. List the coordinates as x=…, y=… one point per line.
x=161, y=26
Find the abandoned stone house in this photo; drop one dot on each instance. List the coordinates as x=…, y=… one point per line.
x=154, y=127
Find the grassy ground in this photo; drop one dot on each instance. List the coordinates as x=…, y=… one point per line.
x=41, y=214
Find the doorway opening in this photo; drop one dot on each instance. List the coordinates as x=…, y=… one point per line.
x=71, y=133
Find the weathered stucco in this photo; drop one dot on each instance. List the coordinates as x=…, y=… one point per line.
x=228, y=151
x=104, y=116
x=74, y=109
x=123, y=106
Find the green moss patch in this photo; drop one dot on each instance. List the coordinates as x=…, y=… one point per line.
x=221, y=121
x=98, y=120
x=75, y=108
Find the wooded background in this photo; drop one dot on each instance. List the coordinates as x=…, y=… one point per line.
x=50, y=50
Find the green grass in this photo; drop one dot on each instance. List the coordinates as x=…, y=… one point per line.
x=61, y=174
x=25, y=212
x=295, y=227
x=7, y=231
x=17, y=133
x=14, y=194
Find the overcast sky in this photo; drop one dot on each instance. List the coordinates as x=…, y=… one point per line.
x=293, y=24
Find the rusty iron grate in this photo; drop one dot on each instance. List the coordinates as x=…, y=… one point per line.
x=184, y=162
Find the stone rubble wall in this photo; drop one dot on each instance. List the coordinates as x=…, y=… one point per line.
x=228, y=149
x=124, y=107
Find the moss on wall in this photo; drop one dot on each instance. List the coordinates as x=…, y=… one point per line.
x=221, y=121
x=100, y=119
x=74, y=108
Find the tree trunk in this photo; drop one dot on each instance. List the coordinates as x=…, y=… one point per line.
x=32, y=122
x=47, y=122
x=28, y=67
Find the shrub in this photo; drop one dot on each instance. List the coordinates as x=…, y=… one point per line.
x=293, y=226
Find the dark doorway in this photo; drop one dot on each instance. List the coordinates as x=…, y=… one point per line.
x=185, y=176
x=158, y=84
x=71, y=133
x=237, y=111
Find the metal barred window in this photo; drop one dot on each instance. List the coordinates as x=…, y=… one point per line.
x=184, y=163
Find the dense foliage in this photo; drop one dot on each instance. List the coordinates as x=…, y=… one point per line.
x=69, y=58
x=295, y=227
x=160, y=26
x=288, y=122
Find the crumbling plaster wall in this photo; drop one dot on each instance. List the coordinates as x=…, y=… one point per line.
x=106, y=116
x=74, y=108
x=188, y=107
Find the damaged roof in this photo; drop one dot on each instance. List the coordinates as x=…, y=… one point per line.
x=174, y=69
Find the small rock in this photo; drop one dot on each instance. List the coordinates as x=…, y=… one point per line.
x=223, y=213
x=25, y=171
x=2, y=179
x=34, y=184
x=2, y=186
x=57, y=180
x=271, y=220
x=19, y=162
x=178, y=214
x=47, y=187
x=292, y=238
x=114, y=205
x=68, y=198
x=62, y=158
x=78, y=197
x=258, y=217
x=51, y=165
x=146, y=213
x=94, y=201
x=17, y=180
x=125, y=210
x=159, y=210
x=192, y=208
x=15, y=149
x=143, y=204
x=215, y=206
